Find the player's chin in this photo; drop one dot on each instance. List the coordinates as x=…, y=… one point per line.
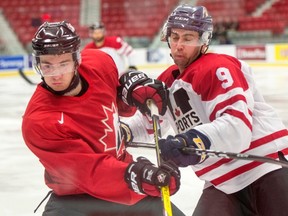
x=57, y=87
x=179, y=58
x=181, y=62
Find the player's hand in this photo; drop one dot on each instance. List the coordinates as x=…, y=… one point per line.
x=143, y=177
x=136, y=88
x=171, y=147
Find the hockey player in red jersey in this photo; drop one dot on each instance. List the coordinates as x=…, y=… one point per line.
x=214, y=104
x=115, y=46
x=72, y=125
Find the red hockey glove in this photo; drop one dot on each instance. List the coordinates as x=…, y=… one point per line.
x=143, y=177
x=136, y=88
x=171, y=147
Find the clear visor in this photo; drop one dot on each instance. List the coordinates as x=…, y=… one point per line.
x=187, y=39
x=46, y=69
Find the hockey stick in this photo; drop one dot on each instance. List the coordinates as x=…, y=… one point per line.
x=165, y=194
x=23, y=75
x=221, y=154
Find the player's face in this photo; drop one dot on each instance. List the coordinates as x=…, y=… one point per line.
x=57, y=70
x=97, y=34
x=185, y=47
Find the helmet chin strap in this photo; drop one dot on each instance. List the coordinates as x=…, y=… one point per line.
x=73, y=84
x=204, y=49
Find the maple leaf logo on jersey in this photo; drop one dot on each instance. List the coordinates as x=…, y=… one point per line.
x=177, y=112
x=110, y=136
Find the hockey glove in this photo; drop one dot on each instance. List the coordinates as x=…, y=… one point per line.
x=125, y=110
x=126, y=133
x=143, y=177
x=171, y=147
x=136, y=88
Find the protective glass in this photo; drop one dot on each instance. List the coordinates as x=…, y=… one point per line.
x=186, y=39
x=47, y=69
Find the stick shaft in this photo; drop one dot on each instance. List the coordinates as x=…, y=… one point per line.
x=165, y=194
x=22, y=74
x=220, y=154
x=239, y=156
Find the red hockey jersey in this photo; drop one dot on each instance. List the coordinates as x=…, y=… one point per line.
x=77, y=139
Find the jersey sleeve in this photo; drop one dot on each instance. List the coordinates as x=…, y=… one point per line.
x=73, y=167
x=228, y=102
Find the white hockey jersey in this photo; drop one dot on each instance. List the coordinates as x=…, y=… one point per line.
x=118, y=49
x=217, y=96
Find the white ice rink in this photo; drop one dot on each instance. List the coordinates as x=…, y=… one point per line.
x=21, y=175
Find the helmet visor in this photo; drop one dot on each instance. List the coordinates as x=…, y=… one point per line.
x=186, y=38
x=46, y=69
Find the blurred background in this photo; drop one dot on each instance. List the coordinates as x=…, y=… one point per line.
x=139, y=22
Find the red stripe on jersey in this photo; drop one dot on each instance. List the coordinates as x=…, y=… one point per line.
x=150, y=131
x=128, y=50
x=285, y=151
x=240, y=170
x=253, y=145
x=241, y=116
x=211, y=167
x=125, y=49
x=244, y=168
x=226, y=103
x=268, y=138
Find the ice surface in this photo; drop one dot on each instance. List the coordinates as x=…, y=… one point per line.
x=21, y=175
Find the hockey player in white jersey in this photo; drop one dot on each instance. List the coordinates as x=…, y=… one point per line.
x=214, y=104
x=115, y=46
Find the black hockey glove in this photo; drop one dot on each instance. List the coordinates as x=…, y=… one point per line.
x=126, y=133
x=136, y=88
x=171, y=147
x=143, y=177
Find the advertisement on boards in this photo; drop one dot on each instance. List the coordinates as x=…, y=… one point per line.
x=255, y=53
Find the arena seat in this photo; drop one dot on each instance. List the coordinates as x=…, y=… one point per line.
x=24, y=17
x=273, y=19
x=135, y=18
x=241, y=11
x=131, y=18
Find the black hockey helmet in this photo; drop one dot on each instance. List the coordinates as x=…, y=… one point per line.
x=97, y=25
x=55, y=38
x=188, y=17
